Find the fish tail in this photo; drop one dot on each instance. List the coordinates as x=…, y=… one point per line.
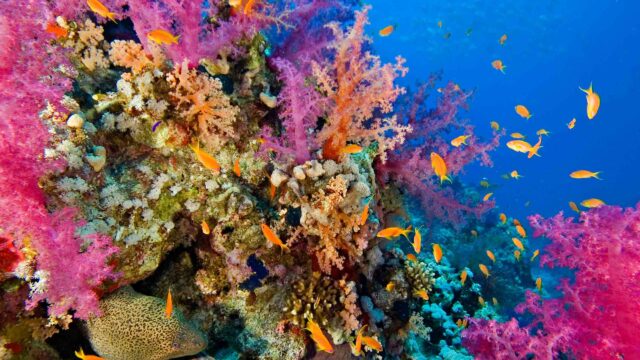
x=502, y=70
x=596, y=175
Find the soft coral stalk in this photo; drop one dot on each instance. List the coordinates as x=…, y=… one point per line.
x=597, y=316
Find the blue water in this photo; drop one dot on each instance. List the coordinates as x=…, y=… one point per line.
x=553, y=47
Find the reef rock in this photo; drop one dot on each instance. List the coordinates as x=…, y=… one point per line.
x=134, y=326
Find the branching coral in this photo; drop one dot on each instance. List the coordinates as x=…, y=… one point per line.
x=358, y=87
x=419, y=275
x=317, y=299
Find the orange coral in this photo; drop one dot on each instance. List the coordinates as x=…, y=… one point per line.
x=131, y=55
x=358, y=86
x=200, y=97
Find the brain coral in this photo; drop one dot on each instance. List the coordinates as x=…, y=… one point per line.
x=133, y=326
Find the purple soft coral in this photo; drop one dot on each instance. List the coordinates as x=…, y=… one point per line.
x=596, y=317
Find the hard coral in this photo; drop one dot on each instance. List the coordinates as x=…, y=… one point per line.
x=358, y=87
x=317, y=299
x=419, y=275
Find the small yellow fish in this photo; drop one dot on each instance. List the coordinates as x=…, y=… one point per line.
x=484, y=183
x=422, y=294
x=517, y=135
x=440, y=24
x=391, y=232
x=534, y=149
x=160, y=36
x=484, y=269
x=503, y=39
x=364, y=215
x=487, y=196
x=542, y=132
x=462, y=323
x=481, y=301
x=417, y=241
x=571, y=124
x=494, y=301
x=498, y=65
x=518, y=243
x=372, y=343
x=523, y=111
x=514, y=174
x=439, y=167
x=535, y=254
x=491, y=256
x=463, y=277
x=460, y=140
x=412, y=258
x=585, y=174
x=474, y=233
x=97, y=7
x=352, y=149
x=592, y=203
x=319, y=338
x=205, y=227
x=574, y=207
x=503, y=218
x=539, y=284
x=272, y=237
x=494, y=125
x=205, y=159
x=593, y=101
x=236, y=168
x=81, y=355
x=390, y=286
x=516, y=254
x=168, y=310
x=386, y=31
x=437, y=252
x=519, y=146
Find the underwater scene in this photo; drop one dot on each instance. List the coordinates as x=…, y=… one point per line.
x=319, y=179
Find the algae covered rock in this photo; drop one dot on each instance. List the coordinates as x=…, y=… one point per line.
x=134, y=326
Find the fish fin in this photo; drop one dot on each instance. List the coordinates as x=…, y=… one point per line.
x=502, y=70
x=596, y=175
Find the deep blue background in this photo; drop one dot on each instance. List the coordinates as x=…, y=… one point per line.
x=553, y=47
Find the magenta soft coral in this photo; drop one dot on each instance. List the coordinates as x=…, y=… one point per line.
x=597, y=316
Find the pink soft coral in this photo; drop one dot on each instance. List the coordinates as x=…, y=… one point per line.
x=597, y=315
x=358, y=86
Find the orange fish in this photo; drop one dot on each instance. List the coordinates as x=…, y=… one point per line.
x=516, y=222
x=484, y=269
x=439, y=167
x=351, y=149
x=56, y=30
x=205, y=227
x=460, y=140
x=364, y=215
x=523, y=111
x=437, y=253
x=503, y=39
x=593, y=101
x=236, y=168
x=521, y=231
x=248, y=7
x=516, y=254
x=412, y=258
x=517, y=135
x=422, y=294
x=80, y=355
x=440, y=24
x=391, y=232
x=503, y=218
x=494, y=125
x=574, y=207
x=272, y=192
x=387, y=30
x=498, y=65
x=518, y=243
x=417, y=241
x=160, y=36
x=481, y=301
x=319, y=338
x=373, y=343
x=592, y=203
x=491, y=256
x=534, y=149
x=272, y=237
x=357, y=348
x=519, y=146
x=514, y=174
x=205, y=159
x=97, y=7
x=535, y=254
x=463, y=277
x=543, y=132
x=168, y=310
x=539, y=284
x=390, y=286
x=585, y=174
x=571, y=124
x=487, y=196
